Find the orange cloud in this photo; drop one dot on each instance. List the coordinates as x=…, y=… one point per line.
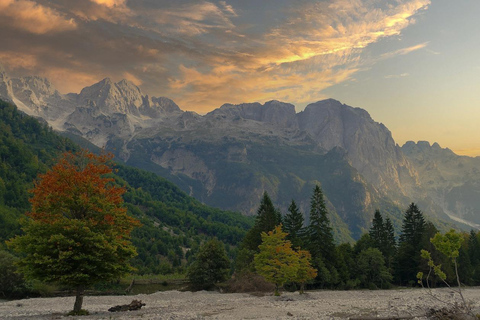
x=33, y=17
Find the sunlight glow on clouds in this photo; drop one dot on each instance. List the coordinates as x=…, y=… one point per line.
x=33, y=17
x=202, y=53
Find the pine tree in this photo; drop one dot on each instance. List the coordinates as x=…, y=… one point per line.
x=319, y=236
x=267, y=219
x=294, y=225
x=382, y=236
x=390, y=246
x=377, y=232
x=410, y=244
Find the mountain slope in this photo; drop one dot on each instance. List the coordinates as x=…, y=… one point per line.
x=452, y=181
x=174, y=224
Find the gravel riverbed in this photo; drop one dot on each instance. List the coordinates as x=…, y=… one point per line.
x=213, y=305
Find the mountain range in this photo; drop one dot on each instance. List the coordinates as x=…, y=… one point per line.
x=228, y=157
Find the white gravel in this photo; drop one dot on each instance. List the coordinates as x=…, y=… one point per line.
x=213, y=305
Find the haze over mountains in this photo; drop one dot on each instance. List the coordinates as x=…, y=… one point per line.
x=228, y=157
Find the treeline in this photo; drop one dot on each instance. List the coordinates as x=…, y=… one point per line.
x=377, y=260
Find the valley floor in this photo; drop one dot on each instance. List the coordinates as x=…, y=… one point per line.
x=212, y=305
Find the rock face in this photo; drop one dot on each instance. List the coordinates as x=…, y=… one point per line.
x=369, y=145
x=228, y=157
x=452, y=181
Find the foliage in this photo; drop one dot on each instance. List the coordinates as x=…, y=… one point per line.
x=410, y=244
x=171, y=220
x=383, y=237
x=305, y=270
x=211, y=265
x=78, y=232
x=293, y=225
x=319, y=239
x=277, y=262
x=266, y=220
x=12, y=283
x=448, y=244
x=372, y=270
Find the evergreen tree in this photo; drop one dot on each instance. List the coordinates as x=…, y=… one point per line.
x=382, y=236
x=267, y=219
x=410, y=244
x=294, y=225
x=319, y=236
x=390, y=245
x=377, y=232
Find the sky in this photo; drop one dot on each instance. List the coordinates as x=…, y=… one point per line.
x=414, y=65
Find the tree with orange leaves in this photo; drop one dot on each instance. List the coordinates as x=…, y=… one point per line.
x=78, y=232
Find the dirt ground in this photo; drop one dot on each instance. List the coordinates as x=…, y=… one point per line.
x=213, y=305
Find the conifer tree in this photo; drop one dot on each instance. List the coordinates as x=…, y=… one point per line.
x=390, y=243
x=294, y=225
x=377, y=232
x=410, y=244
x=319, y=235
x=267, y=218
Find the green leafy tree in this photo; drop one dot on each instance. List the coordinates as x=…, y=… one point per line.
x=277, y=262
x=78, y=232
x=372, y=270
x=12, y=283
x=211, y=265
x=293, y=225
x=448, y=244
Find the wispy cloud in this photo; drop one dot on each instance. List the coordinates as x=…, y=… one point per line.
x=404, y=51
x=396, y=76
x=203, y=53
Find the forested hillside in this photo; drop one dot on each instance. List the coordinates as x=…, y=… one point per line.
x=174, y=224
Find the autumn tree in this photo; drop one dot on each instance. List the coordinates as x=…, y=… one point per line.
x=78, y=232
x=305, y=271
x=277, y=262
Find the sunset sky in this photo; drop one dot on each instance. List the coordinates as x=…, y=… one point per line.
x=414, y=65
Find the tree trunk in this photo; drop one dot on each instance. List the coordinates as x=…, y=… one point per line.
x=277, y=292
x=79, y=299
x=302, y=288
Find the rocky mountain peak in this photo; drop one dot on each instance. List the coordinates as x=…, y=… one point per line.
x=109, y=98
x=274, y=112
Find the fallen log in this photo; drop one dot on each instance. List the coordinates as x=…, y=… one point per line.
x=134, y=305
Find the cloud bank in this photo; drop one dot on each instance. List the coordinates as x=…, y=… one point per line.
x=201, y=53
